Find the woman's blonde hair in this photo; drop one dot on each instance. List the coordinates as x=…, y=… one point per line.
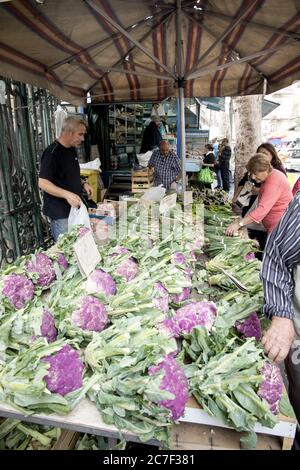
x=259, y=162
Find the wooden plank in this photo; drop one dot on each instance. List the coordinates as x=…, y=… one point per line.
x=287, y=443
x=66, y=441
x=84, y=418
x=286, y=427
x=144, y=172
x=141, y=179
x=141, y=186
x=188, y=436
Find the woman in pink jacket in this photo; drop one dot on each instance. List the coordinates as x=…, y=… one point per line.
x=274, y=196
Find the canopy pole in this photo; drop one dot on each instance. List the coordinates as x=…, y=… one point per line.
x=180, y=85
x=181, y=133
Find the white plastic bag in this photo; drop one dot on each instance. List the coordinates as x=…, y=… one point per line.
x=93, y=165
x=79, y=216
x=144, y=158
x=154, y=194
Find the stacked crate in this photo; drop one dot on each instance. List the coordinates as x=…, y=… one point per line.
x=141, y=180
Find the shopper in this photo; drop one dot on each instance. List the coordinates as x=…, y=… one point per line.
x=151, y=137
x=246, y=194
x=224, y=164
x=274, y=196
x=281, y=280
x=270, y=151
x=208, y=162
x=215, y=145
x=59, y=176
x=166, y=165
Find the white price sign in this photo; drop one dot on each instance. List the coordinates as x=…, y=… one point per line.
x=87, y=254
x=187, y=198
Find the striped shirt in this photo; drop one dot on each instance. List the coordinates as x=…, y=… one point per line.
x=166, y=168
x=282, y=254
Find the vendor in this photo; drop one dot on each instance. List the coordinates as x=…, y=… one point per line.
x=59, y=176
x=274, y=196
x=166, y=165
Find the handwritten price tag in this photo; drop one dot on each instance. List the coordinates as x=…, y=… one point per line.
x=87, y=254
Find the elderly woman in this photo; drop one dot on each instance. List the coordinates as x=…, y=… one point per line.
x=274, y=196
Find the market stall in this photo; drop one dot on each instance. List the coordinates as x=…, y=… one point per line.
x=165, y=313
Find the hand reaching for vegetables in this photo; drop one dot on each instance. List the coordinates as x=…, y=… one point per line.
x=232, y=229
x=278, y=339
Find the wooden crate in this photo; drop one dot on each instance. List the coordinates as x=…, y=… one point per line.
x=141, y=180
x=188, y=436
x=197, y=428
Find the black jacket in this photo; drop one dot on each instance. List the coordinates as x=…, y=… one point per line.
x=151, y=138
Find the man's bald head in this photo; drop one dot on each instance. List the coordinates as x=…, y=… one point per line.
x=164, y=147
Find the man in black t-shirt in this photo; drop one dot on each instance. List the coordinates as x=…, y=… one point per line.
x=60, y=176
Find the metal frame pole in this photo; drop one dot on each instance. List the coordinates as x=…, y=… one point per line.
x=180, y=84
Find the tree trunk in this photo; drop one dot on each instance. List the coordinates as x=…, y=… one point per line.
x=247, y=120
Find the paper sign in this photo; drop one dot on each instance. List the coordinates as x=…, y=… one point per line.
x=187, y=198
x=167, y=203
x=87, y=254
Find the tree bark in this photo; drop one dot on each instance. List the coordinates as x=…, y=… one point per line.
x=247, y=121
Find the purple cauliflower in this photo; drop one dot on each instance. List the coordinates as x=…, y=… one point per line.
x=91, y=315
x=196, y=245
x=184, y=295
x=120, y=250
x=249, y=256
x=161, y=297
x=250, y=327
x=178, y=258
x=189, y=316
x=18, y=289
x=272, y=386
x=175, y=382
x=65, y=371
x=63, y=263
x=83, y=231
x=128, y=269
x=42, y=266
x=48, y=329
x=101, y=282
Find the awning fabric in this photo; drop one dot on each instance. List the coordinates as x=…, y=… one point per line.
x=125, y=50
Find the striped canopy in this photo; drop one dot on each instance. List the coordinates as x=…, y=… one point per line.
x=138, y=50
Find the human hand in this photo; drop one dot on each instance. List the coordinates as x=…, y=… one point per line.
x=88, y=189
x=232, y=229
x=278, y=339
x=73, y=199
